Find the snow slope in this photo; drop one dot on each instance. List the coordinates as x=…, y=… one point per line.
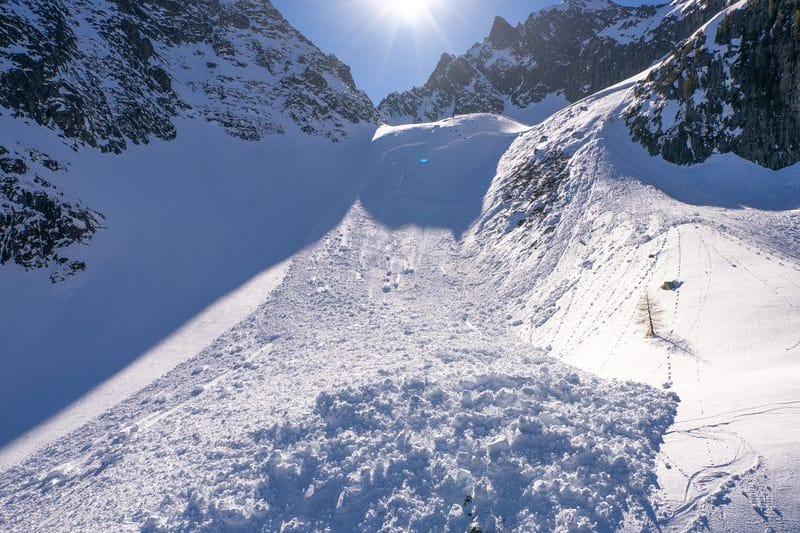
x=186, y=342
x=416, y=367
x=139, y=242
x=377, y=388
x=186, y=222
x=617, y=225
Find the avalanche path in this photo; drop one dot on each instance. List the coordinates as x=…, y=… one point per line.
x=412, y=370
x=379, y=387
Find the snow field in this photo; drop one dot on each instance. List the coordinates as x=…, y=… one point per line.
x=409, y=372
x=726, y=341
x=378, y=387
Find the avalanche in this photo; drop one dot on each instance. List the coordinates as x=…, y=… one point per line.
x=429, y=327
x=377, y=387
x=406, y=372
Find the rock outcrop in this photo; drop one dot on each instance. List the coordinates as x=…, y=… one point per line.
x=734, y=86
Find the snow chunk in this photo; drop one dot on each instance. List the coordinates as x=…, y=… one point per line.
x=550, y=453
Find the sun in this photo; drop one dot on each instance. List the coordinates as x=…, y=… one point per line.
x=407, y=11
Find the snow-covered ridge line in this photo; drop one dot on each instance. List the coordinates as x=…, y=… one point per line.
x=581, y=223
x=558, y=55
x=108, y=74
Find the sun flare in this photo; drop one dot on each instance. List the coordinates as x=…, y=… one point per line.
x=407, y=11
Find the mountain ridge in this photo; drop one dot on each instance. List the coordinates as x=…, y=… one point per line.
x=115, y=73
x=571, y=49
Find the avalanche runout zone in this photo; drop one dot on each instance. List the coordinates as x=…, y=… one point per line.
x=353, y=403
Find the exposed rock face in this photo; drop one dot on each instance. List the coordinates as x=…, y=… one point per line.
x=37, y=223
x=573, y=49
x=732, y=87
x=109, y=72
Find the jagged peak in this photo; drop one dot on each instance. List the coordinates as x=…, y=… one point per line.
x=582, y=5
x=589, y=5
x=555, y=51
x=502, y=34
x=445, y=60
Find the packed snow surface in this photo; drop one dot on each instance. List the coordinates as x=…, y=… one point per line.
x=716, y=248
x=412, y=372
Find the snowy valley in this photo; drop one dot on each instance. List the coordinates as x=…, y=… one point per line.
x=471, y=325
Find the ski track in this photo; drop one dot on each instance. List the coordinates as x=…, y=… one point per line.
x=709, y=488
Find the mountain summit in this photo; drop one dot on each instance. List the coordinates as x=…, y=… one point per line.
x=112, y=72
x=558, y=55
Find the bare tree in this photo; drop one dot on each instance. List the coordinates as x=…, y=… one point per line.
x=651, y=315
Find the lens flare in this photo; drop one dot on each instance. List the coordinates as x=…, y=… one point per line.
x=407, y=11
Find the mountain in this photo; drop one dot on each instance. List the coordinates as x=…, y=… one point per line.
x=732, y=87
x=558, y=55
x=471, y=324
x=114, y=73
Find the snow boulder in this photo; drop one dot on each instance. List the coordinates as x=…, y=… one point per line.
x=554, y=452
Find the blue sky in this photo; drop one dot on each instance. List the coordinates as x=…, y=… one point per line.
x=388, y=51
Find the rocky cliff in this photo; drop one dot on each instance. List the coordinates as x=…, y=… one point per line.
x=734, y=86
x=106, y=74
